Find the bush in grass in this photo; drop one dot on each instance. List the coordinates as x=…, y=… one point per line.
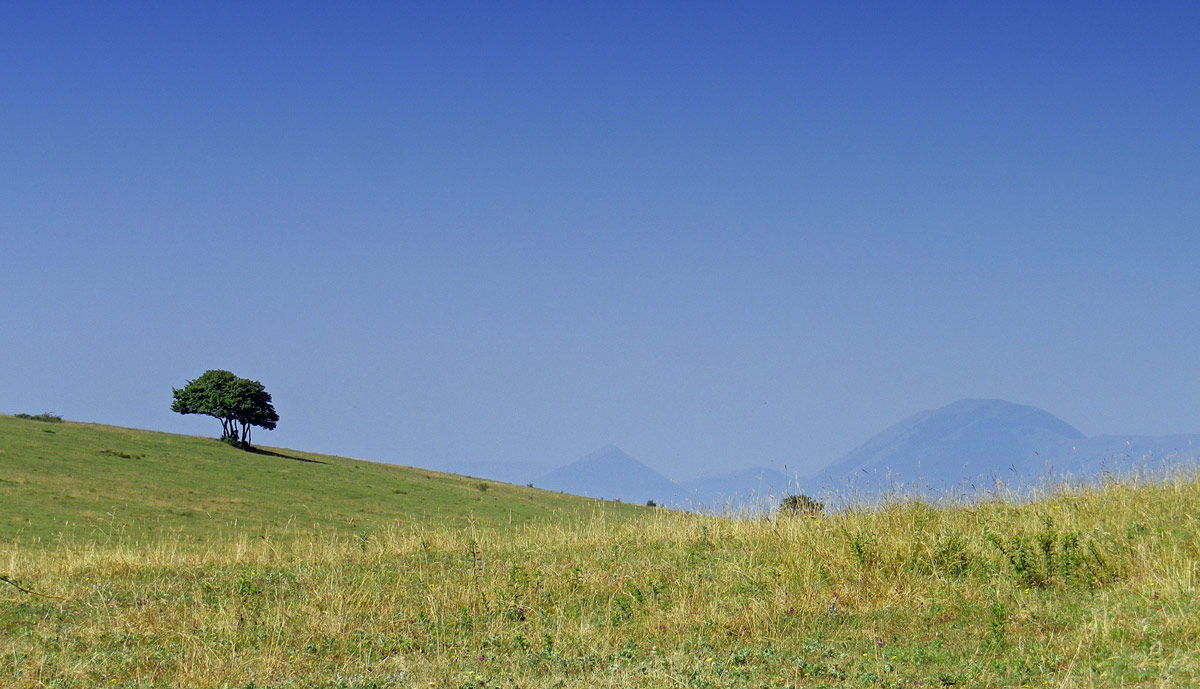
x=45, y=416
x=800, y=505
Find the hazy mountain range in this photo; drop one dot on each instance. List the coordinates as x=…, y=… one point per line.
x=975, y=443
x=963, y=446
x=610, y=473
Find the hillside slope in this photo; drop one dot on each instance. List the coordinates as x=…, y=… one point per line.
x=86, y=480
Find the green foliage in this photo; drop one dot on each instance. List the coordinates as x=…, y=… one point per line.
x=122, y=455
x=997, y=622
x=800, y=505
x=47, y=417
x=950, y=556
x=238, y=403
x=1054, y=556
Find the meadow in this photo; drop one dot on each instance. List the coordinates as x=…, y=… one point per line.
x=1085, y=587
x=64, y=480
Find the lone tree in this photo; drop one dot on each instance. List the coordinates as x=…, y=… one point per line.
x=236, y=402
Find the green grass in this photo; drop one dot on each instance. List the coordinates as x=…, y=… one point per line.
x=1089, y=587
x=74, y=480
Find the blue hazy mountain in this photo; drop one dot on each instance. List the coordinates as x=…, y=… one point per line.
x=737, y=490
x=974, y=443
x=611, y=474
x=964, y=446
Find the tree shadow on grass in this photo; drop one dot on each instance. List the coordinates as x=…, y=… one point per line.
x=272, y=453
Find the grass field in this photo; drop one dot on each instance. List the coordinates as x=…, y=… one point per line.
x=74, y=480
x=1087, y=588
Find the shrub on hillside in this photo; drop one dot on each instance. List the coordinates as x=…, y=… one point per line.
x=800, y=505
x=45, y=416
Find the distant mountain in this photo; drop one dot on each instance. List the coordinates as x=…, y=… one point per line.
x=966, y=446
x=611, y=474
x=973, y=443
x=742, y=489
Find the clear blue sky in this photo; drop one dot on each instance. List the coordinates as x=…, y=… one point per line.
x=717, y=235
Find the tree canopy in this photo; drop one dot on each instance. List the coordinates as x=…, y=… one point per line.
x=238, y=403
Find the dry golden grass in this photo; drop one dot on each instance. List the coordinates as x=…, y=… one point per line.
x=1092, y=587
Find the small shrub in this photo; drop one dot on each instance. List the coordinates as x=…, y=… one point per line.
x=950, y=556
x=1053, y=556
x=864, y=546
x=46, y=417
x=651, y=503
x=122, y=455
x=800, y=505
x=483, y=486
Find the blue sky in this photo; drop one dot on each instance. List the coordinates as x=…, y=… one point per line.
x=716, y=235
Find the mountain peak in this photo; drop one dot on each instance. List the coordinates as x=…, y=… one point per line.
x=611, y=452
x=610, y=473
x=961, y=441
x=996, y=408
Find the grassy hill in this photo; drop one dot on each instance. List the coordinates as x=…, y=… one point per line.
x=1090, y=587
x=77, y=480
